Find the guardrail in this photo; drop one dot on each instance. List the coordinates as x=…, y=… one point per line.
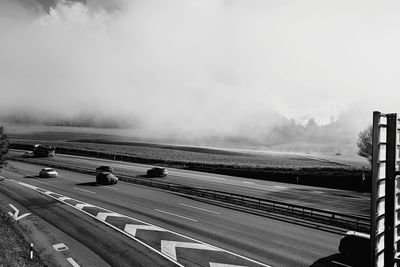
x=347, y=221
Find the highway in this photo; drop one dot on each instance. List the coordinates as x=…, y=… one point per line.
x=167, y=229
x=342, y=201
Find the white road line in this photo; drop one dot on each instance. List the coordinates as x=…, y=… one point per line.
x=245, y=182
x=169, y=247
x=73, y=263
x=132, y=228
x=84, y=190
x=278, y=186
x=80, y=206
x=102, y=216
x=110, y=187
x=317, y=192
x=180, y=216
x=341, y=264
x=199, y=208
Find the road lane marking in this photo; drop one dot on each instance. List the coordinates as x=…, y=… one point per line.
x=132, y=228
x=64, y=198
x=157, y=250
x=16, y=212
x=110, y=187
x=102, y=216
x=279, y=186
x=245, y=182
x=336, y=262
x=317, y=192
x=214, y=264
x=199, y=208
x=82, y=205
x=180, y=216
x=169, y=247
x=73, y=263
x=85, y=190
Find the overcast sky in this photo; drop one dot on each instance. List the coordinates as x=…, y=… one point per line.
x=202, y=64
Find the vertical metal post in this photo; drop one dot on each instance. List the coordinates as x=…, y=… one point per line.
x=374, y=193
x=391, y=146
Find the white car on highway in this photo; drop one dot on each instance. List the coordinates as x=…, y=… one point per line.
x=48, y=173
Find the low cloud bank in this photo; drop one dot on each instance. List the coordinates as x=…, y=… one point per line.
x=256, y=69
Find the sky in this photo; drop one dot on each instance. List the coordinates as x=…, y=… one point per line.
x=210, y=66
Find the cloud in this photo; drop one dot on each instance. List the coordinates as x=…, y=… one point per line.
x=220, y=67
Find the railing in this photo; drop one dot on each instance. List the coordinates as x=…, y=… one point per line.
x=347, y=221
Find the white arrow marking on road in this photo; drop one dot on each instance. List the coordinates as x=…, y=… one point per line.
x=83, y=205
x=132, y=228
x=214, y=264
x=15, y=215
x=169, y=247
x=102, y=216
x=63, y=198
x=47, y=193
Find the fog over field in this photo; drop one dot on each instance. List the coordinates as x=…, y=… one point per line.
x=279, y=72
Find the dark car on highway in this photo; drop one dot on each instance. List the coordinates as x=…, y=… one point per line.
x=107, y=169
x=157, y=172
x=356, y=246
x=106, y=178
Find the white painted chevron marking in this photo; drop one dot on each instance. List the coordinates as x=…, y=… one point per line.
x=169, y=247
x=83, y=205
x=214, y=264
x=102, y=216
x=132, y=228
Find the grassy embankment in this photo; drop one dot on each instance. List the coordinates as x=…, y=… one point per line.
x=334, y=171
x=14, y=250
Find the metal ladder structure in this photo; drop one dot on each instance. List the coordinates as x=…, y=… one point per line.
x=385, y=195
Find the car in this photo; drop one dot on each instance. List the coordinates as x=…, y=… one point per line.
x=107, y=169
x=28, y=154
x=43, y=150
x=355, y=245
x=48, y=173
x=157, y=172
x=106, y=178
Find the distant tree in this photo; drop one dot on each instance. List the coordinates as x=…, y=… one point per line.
x=3, y=146
x=364, y=143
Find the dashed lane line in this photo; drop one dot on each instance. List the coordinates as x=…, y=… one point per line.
x=279, y=186
x=177, y=215
x=199, y=208
x=84, y=190
x=100, y=213
x=342, y=264
x=73, y=263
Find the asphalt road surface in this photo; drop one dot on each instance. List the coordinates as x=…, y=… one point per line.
x=131, y=225
x=343, y=201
